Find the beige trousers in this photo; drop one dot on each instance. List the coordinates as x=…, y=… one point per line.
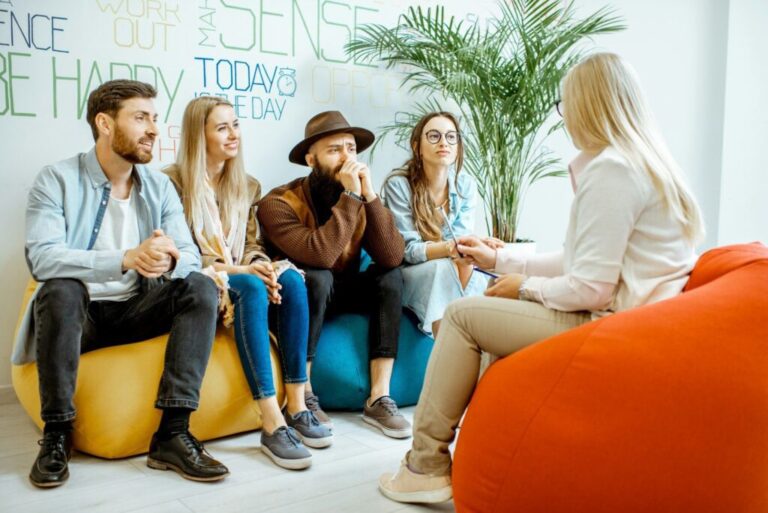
x=470, y=326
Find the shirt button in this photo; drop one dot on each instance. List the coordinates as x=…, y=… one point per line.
x=95, y=230
x=104, y=202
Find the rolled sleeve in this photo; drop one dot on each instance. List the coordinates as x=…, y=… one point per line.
x=175, y=226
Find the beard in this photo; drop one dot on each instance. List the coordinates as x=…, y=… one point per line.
x=130, y=150
x=325, y=190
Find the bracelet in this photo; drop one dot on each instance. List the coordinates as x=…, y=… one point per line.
x=355, y=195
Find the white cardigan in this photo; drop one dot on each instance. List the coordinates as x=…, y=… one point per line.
x=622, y=249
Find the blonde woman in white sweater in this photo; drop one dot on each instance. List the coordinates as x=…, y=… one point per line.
x=630, y=241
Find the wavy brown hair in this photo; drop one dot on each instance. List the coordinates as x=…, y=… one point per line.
x=426, y=217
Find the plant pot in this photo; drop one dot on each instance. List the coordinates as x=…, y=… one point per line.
x=523, y=249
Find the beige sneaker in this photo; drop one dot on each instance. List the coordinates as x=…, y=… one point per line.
x=383, y=414
x=408, y=486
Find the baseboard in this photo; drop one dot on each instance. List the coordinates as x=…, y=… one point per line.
x=7, y=395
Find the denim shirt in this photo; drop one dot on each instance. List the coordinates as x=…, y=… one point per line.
x=462, y=202
x=65, y=208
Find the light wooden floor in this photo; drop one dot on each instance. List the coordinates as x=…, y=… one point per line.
x=342, y=478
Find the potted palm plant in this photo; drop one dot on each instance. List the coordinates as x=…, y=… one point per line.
x=502, y=77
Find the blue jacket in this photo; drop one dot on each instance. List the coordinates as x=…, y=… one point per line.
x=65, y=209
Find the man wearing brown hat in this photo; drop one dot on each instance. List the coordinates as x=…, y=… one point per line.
x=322, y=222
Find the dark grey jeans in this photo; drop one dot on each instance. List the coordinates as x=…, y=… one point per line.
x=68, y=324
x=375, y=291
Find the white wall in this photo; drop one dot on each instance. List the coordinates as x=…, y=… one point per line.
x=744, y=191
x=678, y=47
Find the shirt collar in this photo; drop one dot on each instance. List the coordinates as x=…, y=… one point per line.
x=99, y=178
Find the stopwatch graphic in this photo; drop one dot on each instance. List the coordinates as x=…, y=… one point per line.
x=286, y=82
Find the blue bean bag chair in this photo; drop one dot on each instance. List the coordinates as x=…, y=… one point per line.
x=341, y=372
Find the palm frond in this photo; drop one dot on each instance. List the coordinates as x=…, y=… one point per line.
x=503, y=78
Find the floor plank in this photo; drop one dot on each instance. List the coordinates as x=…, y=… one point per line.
x=342, y=477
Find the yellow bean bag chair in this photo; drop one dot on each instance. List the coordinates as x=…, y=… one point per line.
x=117, y=387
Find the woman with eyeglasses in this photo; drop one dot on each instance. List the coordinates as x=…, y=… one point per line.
x=433, y=201
x=630, y=241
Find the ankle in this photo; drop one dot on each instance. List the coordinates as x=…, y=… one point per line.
x=414, y=469
x=374, y=397
x=173, y=422
x=58, y=427
x=294, y=411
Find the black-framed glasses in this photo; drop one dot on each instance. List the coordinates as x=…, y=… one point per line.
x=559, y=107
x=434, y=136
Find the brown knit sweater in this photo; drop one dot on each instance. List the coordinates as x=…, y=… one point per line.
x=290, y=225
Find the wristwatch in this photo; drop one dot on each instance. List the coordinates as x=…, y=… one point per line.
x=355, y=195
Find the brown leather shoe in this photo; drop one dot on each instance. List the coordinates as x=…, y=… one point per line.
x=184, y=454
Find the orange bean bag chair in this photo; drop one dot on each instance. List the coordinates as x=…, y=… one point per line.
x=663, y=408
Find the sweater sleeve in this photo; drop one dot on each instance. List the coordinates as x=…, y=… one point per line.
x=382, y=240
x=319, y=247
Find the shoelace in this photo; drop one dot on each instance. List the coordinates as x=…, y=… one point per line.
x=311, y=419
x=288, y=435
x=389, y=405
x=312, y=402
x=53, y=442
x=192, y=443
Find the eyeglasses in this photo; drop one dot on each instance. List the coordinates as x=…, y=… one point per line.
x=559, y=107
x=434, y=136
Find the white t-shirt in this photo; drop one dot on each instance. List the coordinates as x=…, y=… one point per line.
x=119, y=230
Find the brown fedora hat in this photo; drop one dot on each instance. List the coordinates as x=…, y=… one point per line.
x=324, y=124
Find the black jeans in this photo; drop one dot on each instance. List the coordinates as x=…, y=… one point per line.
x=68, y=324
x=377, y=292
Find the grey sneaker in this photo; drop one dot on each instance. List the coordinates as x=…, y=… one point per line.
x=311, y=432
x=313, y=405
x=284, y=447
x=383, y=414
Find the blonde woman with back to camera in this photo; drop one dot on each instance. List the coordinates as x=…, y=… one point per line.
x=630, y=241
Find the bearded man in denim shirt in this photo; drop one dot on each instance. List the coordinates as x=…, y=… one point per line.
x=107, y=241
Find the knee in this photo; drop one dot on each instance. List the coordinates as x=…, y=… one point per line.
x=391, y=282
x=319, y=283
x=251, y=288
x=63, y=294
x=292, y=285
x=456, y=311
x=201, y=290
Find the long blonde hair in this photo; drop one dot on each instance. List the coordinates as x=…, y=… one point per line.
x=426, y=215
x=604, y=105
x=232, y=188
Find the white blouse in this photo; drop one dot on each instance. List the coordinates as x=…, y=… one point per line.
x=622, y=249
